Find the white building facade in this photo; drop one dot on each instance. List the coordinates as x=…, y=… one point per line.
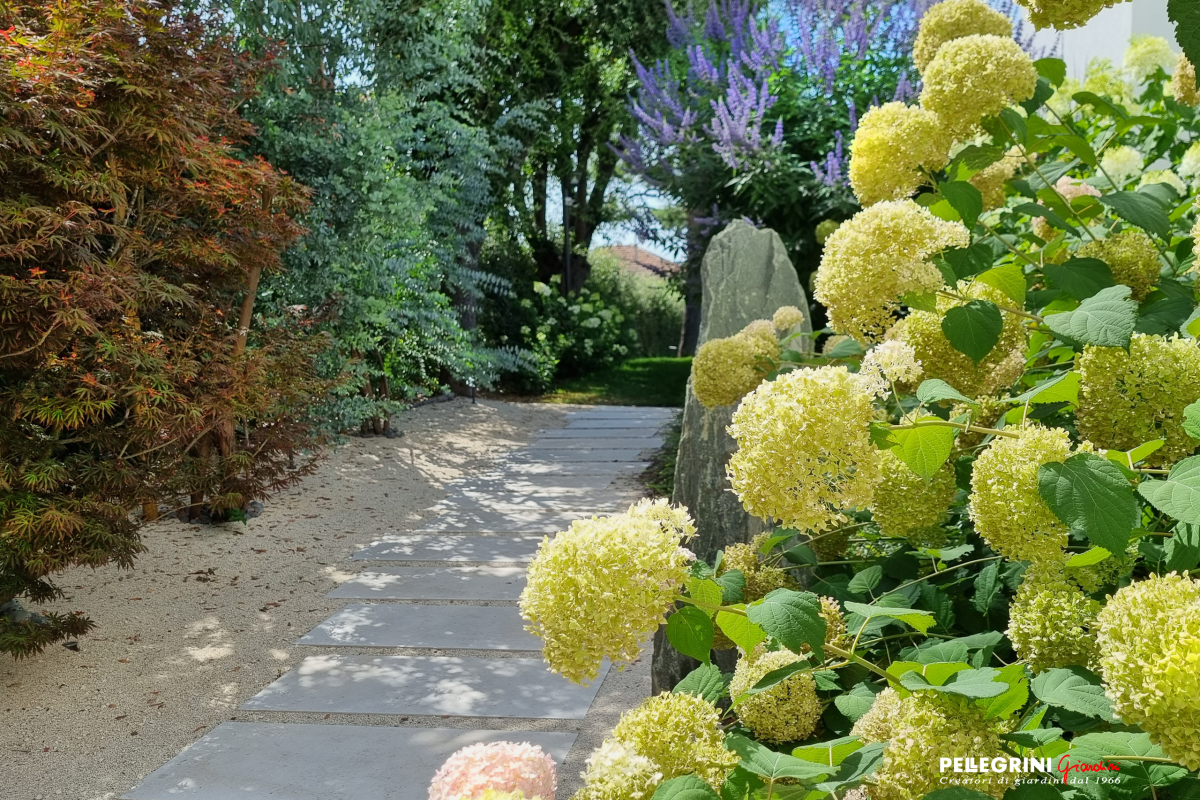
x=1109, y=32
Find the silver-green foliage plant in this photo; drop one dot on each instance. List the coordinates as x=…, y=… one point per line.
x=987, y=485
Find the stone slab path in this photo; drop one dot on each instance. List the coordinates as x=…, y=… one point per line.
x=432, y=637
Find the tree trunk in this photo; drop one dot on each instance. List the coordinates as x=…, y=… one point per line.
x=385, y=392
x=150, y=511
x=368, y=392
x=539, y=182
x=693, y=290
x=203, y=448
x=689, y=337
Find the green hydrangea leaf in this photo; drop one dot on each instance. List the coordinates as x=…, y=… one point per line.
x=1106, y=319
x=733, y=584
x=1039, y=210
x=974, y=328
x=740, y=630
x=1111, y=746
x=1034, y=738
x=1141, y=210
x=865, y=581
x=1041, y=93
x=977, y=157
x=1191, y=420
x=794, y=618
x=1086, y=559
x=1092, y=497
x=801, y=554
x=707, y=591
x=705, y=681
x=974, y=683
x=1179, y=495
x=846, y=348
x=1080, y=277
x=830, y=753
x=987, y=588
x=690, y=631
x=1182, y=550
x=1074, y=689
x=855, y=767
x=1052, y=69
x=965, y=199
x=767, y=763
x=921, y=620
x=1186, y=16
x=856, y=702
x=921, y=302
x=924, y=449
x=1012, y=699
x=1063, y=388
x=1009, y=278
x=1050, y=172
x=935, y=390
x=685, y=787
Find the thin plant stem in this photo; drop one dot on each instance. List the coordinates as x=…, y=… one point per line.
x=965, y=427
x=937, y=574
x=1009, y=309
x=862, y=662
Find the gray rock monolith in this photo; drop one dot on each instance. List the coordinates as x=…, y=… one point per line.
x=746, y=276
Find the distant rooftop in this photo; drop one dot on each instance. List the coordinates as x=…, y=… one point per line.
x=638, y=261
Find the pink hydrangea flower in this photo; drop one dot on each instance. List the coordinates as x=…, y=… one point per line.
x=500, y=766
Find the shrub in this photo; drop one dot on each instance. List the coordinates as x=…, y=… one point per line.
x=1040, y=612
x=614, y=317
x=132, y=240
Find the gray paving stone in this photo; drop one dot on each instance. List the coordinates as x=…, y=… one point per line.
x=452, y=548
x=587, y=489
x=443, y=627
x=255, y=761
x=434, y=583
x=486, y=520
x=619, y=411
x=596, y=443
x=609, y=423
x=462, y=687
x=576, y=432
x=581, y=454
x=529, y=469
x=552, y=484
x=507, y=502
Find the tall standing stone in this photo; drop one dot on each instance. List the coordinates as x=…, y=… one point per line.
x=746, y=275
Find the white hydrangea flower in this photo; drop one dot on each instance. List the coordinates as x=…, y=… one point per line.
x=1189, y=165
x=1122, y=163
x=1165, y=176
x=1146, y=54
x=895, y=360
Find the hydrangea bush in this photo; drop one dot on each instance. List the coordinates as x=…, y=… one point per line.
x=985, y=489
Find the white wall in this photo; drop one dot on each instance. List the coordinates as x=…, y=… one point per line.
x=1109, y=32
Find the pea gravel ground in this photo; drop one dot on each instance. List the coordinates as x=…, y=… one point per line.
x=209, y=615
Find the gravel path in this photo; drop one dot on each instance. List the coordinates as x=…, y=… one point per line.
x=198, y=644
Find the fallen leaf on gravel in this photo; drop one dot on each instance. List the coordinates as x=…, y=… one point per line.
x=123, y=716
x=122, y=660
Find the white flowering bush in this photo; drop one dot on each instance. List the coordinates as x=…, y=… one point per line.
x=986, y=487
